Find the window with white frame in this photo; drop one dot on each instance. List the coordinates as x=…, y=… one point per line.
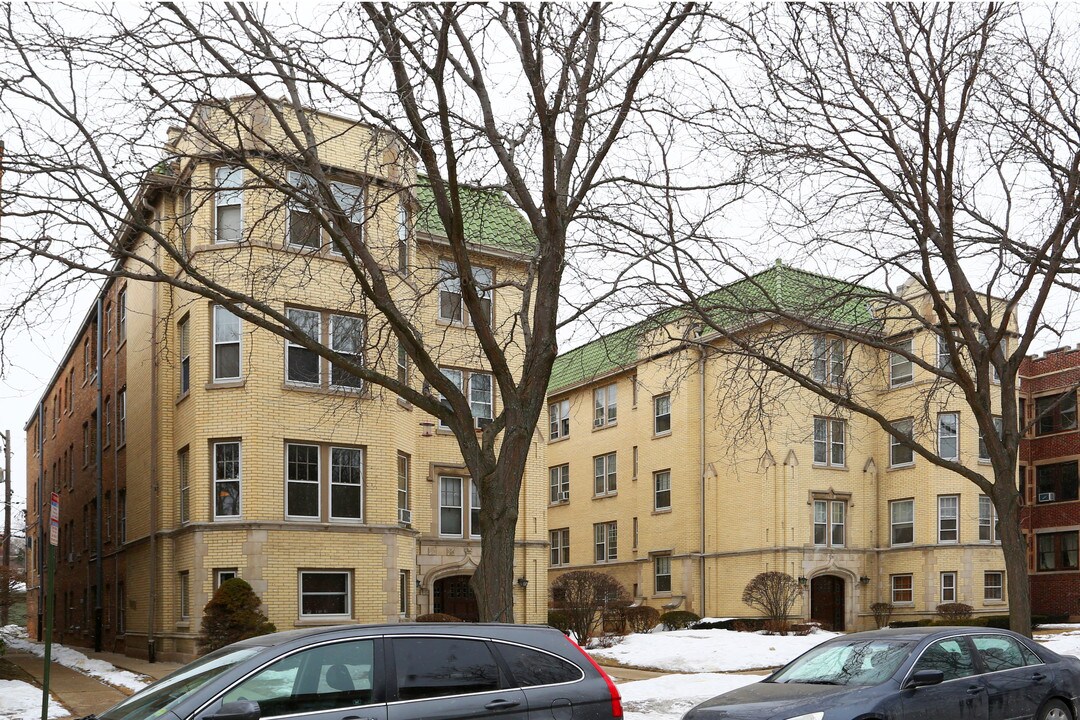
x=346, y=483
x=830, y=522
x=948, y=435
x=347, y=340
x=121, y=417
x=480, y=397
x=559, y=481
x=227, y=483
x=662, y=414
x=403, y=462
x=304, y=229
x=226, y=344
x=1004, y=351
x=899, y=453
x=830, y=435
x=325, y=594
x=184, y=595
x=301, y=363
x=944, y=358
x=121, y=316
x=474, y=509
x=993, y=584
x=948, y=518
x=451, y=518
x=182, y=329
x=662, y=573
x=560, y=547
x=451, y=302
x=302, y=481
x=457, y=377
x=901, y=368
x=662, y=490
x=948, y=587
x=229, y=204
x=829, y=359
x=559, y=419
x=184, y=481
x=604, y=479
x=605, y=406
x=988, y=520
x=223, y=574
x=606, y=538
x=902, y=520
x=402, y=364
x=902, y=589
x=484, y=280
x=984, y=451
x=403, y=237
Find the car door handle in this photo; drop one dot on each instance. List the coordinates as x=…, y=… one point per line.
x=975, y=689
x=356, y=717
x=1038, y=677
x=501, y=704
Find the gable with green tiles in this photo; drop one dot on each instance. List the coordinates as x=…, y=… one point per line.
x=488, y=217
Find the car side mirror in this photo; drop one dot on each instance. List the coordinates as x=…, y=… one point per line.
x=923, y=678
x=239, y=710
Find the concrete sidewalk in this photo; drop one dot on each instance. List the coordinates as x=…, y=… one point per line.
x=81, y=694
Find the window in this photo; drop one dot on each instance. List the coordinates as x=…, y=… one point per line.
x=431, y=667
x=829, y=359
x=86, y=444
x=830, y=522
x=533, y=667
x=121, y=316
x=457, y=377
x=484, y=280
x=229, y=204
x=901, y=589
x=829, y=441
x=184, y=596
x=451, y=305
x=325, y=594
x=121, y=417
x=992, y=585
x=604, y=482
x=226, y=344
x=450, y=506
x=403, y=487
x=560, y=547
x=223, y=574
x=1000, y=652
x=661, y=414
x=988, y=521
x=71, y=391
x=350, y=198
x=606, y=536
x=662, y=573
x=990, y=360
x=1055, y=413
x=88, y=361
x=185, y=355
x=346, y=483
x=347, y=340
x=480, y=397
x=402, y=364
x=106, y=337
x=559, y=419
x=302, y=481
x=662, y=490
x=902, y=516
x=950, y=656
x=304, y=227
x=302, y=364
x=948, y=518
x=948, y=432
x=403, y=238
x=226, y=479
x=948, y=587
x=984, y=451
x=121, y=516
x=403, y=593
x=1057, y=551
x=899, y=453
x=474, y=509
x=944, y=358
x=1057, y=483
x=604, y=406
x=184, y=483
x=559, y=480
x=634, y=538
x=901, y=369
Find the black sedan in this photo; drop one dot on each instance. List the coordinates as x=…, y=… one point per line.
x=386, y=672
x=911, y=674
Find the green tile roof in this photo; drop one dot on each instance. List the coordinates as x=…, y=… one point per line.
x=779, y=289
x=489, y=218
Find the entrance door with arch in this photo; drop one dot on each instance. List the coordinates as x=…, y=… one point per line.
x=454, y=596
x=827, y=601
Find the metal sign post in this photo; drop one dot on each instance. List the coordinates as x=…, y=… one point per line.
x=54, y=534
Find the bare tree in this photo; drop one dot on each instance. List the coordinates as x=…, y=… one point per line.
x=773, y=593
x=534, y=102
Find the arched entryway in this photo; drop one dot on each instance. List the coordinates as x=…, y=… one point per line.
x=454, y=596
x=827, y=601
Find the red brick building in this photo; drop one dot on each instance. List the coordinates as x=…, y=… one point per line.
x=1049, y=459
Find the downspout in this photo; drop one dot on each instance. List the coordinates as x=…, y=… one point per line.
x=701, y=465
x=100, y=584
x=152, y=604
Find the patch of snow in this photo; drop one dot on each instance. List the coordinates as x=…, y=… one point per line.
x=1064, y=644
x=16, y=638
x=668, y=697
x=715, y=620
x=709, y=651
x=19, y=587
x=22, y=701
x=1059, y=626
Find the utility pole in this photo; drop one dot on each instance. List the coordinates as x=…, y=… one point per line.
x=6, y=589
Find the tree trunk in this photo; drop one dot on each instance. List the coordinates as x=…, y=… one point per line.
x=1014, y=546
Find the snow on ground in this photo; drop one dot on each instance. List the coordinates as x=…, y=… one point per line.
x=15, y=637
x=22, y=701
x=669, y=696
x=709, y=651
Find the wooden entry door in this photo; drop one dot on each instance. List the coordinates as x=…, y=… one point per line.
x=827, y=601
x=454, y=596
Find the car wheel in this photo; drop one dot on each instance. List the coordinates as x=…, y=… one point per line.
x=1055, y=710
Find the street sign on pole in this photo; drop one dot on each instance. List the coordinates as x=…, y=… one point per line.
x=54, y=520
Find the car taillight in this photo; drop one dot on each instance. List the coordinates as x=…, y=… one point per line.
x=616, y=699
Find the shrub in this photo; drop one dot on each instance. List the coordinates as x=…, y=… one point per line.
x=678, y=619
x=882, y=613
x=749, y=625
x=641, y=619
x=585, y=595
x=608, y=641
x=802, y=629
x=954, y=612
x=438, y=617
x=773, y=593
x=559, y=620
x=232, y=614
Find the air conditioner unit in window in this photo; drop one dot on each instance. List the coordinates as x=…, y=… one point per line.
x=71, y=557
x=404, y=516
x=1046, y=497
x=564, y=496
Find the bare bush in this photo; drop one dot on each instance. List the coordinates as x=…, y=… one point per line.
x=585, y=596
x=773, y=593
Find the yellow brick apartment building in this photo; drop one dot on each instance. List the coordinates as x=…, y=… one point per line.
x=685, y=472
x=244, y=455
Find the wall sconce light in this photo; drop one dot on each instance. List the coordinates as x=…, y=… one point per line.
x=427, y=429
x=523, y=582
x=802, y=581
x=418, y=583
x=864, y=580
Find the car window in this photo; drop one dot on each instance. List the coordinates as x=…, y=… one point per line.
x=433, y=667
x=1000, y=652
x=950, y=656
x=532, y=667
x=326, y=677
x=847, y=662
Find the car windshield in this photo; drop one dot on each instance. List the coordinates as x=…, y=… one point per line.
x=158, y=698
x=858, y=662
